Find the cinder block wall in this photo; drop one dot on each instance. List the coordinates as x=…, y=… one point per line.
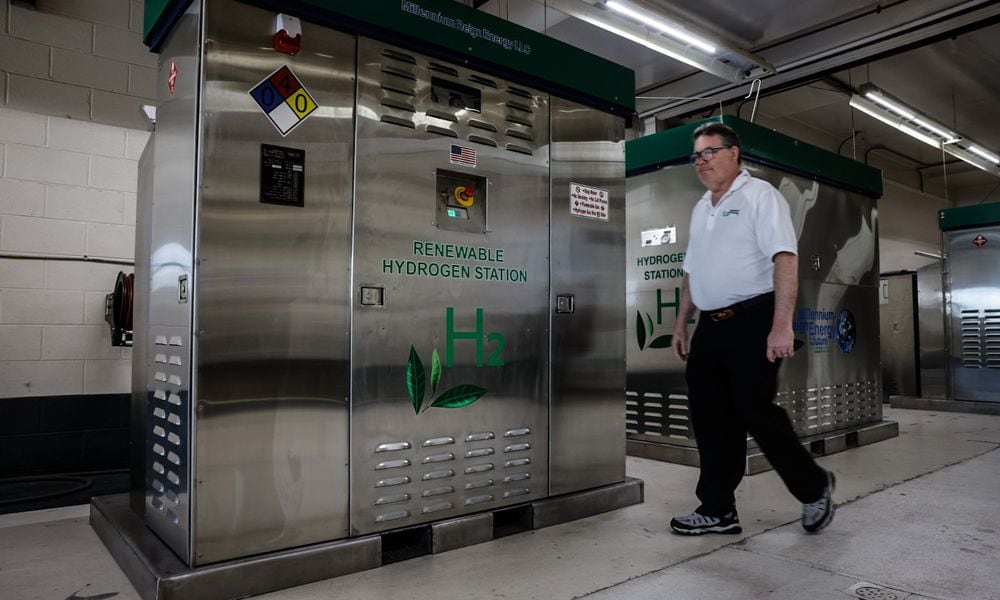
x=81, y=59
x=67, y=190
x=73, y=74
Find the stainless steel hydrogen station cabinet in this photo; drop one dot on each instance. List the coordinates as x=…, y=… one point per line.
x=831, y=387
x=380, y=244
x=971, y=240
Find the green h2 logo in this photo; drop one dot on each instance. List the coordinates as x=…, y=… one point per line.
x=460, y=395
x=451, y=336
x=644, y=327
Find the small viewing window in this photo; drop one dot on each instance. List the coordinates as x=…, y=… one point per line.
x=455, y=95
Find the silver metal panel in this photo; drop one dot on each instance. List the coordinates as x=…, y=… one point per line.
x=579, y=505
x=828, y=384
x=656, y=392
x=898, y=334
x=271, y=292
x=973, y=291
x=463, y=531
x=140, y=329
x=168, y=338
x=157, y=574
x=410, y=468
x=930, y=321
x=833, y=381
x=587, y=427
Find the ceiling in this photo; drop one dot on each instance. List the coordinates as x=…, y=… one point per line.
x=940, y=57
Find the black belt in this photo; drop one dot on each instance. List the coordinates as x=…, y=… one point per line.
x=724, y=314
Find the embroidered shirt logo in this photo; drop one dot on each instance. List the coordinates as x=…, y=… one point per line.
x=734, y=211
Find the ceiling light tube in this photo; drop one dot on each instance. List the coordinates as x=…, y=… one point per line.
x=920, y=121
x=971, y=160
x=983, y=153
x=896, y=109
x=896, y=122
x=661, y=25
x=651, y=45
x=879, y=105
x=949, y=137
x=660, y=33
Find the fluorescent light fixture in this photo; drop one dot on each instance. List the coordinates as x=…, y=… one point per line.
x=893, y=120
x=880, y=105
x=660, y=24
x=877, y=99
x=645, y=41
x=649, y=26
x=988, y=156
x=949, y=137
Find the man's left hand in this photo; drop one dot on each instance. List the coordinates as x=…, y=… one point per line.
x=780, y=344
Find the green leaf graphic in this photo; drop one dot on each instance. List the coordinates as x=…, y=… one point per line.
x=435, y=371
x=797, y=344
x=649, y=325
x=415, y=380
x=663, y=341
x=459, y=396
x=640, y=330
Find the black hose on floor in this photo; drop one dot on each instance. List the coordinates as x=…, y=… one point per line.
x=80, y=481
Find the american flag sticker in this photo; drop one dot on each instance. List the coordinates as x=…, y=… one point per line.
x=460, y=155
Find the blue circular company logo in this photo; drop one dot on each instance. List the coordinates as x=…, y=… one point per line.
x=847, y=331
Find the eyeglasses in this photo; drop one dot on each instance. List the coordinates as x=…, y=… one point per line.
x=707, y=154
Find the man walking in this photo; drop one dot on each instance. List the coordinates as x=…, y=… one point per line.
x=741, y=272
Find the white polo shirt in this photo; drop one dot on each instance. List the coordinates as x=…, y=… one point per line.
x=732, y=245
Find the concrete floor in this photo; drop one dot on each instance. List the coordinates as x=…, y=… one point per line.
x=918, y=515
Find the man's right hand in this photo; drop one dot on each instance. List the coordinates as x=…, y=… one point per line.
x=680, y=343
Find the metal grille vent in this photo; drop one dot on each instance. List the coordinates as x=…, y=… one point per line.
x=648, y=413
x=812, y=410
x=167, y=429
x=516, y=91
x=442, y=69
x=400, y=56
x=829, y=407
x=991, y=337
x=444, y=474
x=631, y=412
x=482, y=81
x=972, y=347
x=401, y=102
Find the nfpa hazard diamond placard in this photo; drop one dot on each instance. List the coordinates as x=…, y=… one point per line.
x=284, y=99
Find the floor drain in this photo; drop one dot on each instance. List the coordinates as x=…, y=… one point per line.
x=867, y=591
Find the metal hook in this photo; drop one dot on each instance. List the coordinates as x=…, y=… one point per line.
x=755, y=83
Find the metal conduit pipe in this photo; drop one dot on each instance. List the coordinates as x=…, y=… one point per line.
x=58, y=257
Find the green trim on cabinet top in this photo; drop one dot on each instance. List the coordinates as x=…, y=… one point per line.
x=158, y=17
x=969, y=217
x=452, y=31
x=757, y=144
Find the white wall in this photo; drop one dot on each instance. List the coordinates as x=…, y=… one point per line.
x=907, y=222
x=73, y=74
x=82, y=59
x=67, y=188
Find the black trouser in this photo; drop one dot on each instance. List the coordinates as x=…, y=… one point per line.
x=731, y=387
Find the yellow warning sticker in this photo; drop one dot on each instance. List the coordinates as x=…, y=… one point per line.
x=301, y=103
x=284, y=99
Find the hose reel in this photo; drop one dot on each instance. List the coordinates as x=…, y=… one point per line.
x=118, y=310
